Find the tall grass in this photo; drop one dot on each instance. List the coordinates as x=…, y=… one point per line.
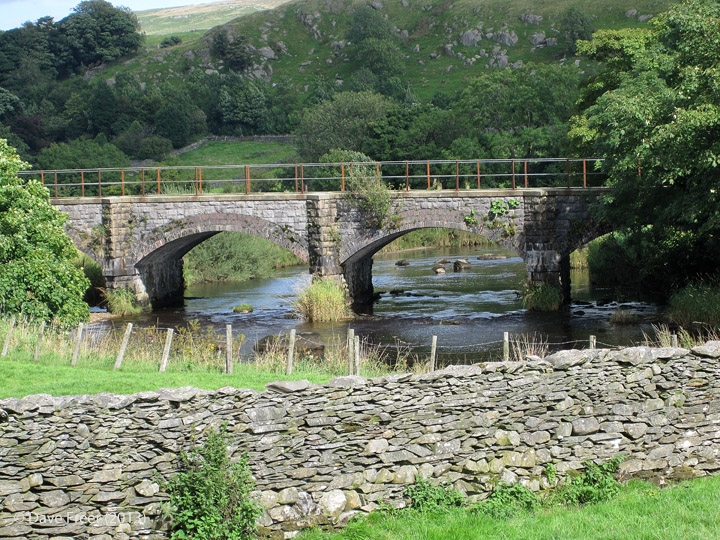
x=541, y=297
x=197, y=358
x=696, y=304
x=121, y=301
x=324, y=300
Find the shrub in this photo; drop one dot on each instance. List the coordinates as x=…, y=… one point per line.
x=596, y=484
x=370, y=194
x=37, y=276
x=210, y=496
x=508, y=500
x=426, y=497
x=324, y=300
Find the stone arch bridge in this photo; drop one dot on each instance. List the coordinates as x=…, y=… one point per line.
x=140, y=241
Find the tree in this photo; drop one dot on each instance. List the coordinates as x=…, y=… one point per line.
x=575, y=24
x=520, y=112
x=82, y=153
x=37, y=275
x=340, y=123
x=96, y=32
x=653, y=113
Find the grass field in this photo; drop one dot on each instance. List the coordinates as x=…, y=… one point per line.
x=687, y=511
x=236, y=153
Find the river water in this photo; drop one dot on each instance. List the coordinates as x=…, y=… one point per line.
x=468, y=311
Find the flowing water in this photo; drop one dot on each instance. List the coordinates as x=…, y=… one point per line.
x=468, y=311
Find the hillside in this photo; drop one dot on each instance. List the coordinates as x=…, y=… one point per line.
x=195, y=17
x=443, y=43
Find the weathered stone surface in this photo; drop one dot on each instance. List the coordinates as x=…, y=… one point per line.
x=585, y=426
x=333, y=503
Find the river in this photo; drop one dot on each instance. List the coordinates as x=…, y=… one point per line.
x=467, y=311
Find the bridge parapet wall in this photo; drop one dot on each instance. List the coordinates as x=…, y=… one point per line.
x=321, y=454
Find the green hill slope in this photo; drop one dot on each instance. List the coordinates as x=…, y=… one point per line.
x=443, y=43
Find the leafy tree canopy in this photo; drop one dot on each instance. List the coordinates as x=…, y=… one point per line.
x=340, y=123
x=653, y=113
x=37, y=275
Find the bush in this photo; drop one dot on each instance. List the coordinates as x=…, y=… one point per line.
x=596, y=484
x=426, y=497
x=370, y=194
x=37, y=274
x=324, y=300
x=508, y=500
x=210, y=496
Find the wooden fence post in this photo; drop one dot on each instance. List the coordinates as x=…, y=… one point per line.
x=78, y=342
x=38, y=343
x=123, y=346
x=433, y=350
x=593, y=342
x=291, y=353
x=351, y=351
x=357, y=355
x=228, y=349
x=673, y=340
x=6, y=346
x=166, y=351
x=506, y=346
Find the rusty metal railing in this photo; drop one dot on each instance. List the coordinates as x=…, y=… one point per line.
x=457, y=175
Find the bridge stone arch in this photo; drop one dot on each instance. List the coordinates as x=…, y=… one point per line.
x=141, y=240
x=541, y=225
x=160, y=254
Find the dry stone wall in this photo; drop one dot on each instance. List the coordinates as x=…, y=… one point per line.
x=93, y=466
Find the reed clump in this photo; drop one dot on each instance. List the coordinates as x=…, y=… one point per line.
x=324, y=300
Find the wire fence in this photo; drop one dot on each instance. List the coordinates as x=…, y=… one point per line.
x=193, y=347
x=313, y=177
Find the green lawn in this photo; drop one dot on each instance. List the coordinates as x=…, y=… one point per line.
x=21, y=377
x=690, y=510
x=237, y=153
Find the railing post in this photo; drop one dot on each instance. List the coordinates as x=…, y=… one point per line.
x=99, y=183
x=122, y=181
x=42, y=177
x=512, y=166
x=584, y=172
x=478, y=175
x=457, y=175
x=201, y=179
x=526, y=174
x=158, y=181
x=56, y=186
x=142, y=181
x=82, y=183
x=342, y=177
x=296, y=178
x=247, y=179
x=428, y=174
x=567, y=170
x=407, y=176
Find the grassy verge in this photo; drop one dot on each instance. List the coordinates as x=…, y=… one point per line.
x=196, y=359
x=640, y=511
